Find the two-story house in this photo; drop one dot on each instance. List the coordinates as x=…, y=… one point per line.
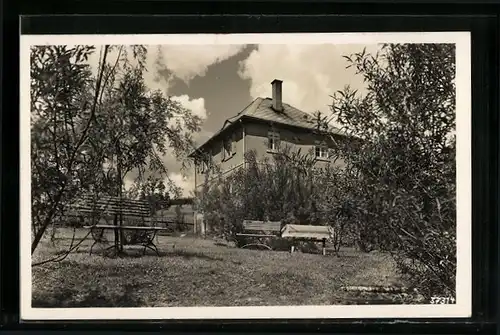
x=262, y=126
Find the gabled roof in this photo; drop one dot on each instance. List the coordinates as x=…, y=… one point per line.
x=262, y=109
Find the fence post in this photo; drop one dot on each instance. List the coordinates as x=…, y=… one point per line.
x=195, y=222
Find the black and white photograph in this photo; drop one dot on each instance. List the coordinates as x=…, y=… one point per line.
x=245, y=176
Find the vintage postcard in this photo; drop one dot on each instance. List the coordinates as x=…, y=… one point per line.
x=249, y=176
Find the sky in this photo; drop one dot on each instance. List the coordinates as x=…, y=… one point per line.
x=217, y=81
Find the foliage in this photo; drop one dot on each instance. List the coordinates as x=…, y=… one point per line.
x=400, y=171
x=276, y=189
x=154, y=191
x=62, y=112
x=336, y=209
x=90, y=131
x=138, y=126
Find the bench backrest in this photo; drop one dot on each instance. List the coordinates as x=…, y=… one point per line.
x=108, y=205
x=270, y=226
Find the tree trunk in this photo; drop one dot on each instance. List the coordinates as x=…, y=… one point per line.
x=117, y=238
x=120, y=195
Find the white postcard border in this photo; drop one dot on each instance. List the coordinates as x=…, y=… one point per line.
x=463, y=306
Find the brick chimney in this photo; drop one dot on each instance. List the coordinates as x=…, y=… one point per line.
x=277, y=102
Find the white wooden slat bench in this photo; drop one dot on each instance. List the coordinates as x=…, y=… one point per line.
x=308, y=233
x=260, y=230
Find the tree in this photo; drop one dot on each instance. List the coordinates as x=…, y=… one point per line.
x=400, y=170
x=138, y=126
x=63, y=108
x=89, y=132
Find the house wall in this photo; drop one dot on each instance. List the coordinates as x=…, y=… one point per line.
x=253, y=136
x=256, y=139
x=216, y=148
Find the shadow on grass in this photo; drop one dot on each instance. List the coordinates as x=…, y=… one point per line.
x=191, y=254
x=127, y=253
x=220, y=244
x=388, y=299
x=342, y=255
x=69, y=297
x=138, y=253
x=62, y=252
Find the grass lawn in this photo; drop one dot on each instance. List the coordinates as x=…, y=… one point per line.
x=200, y=272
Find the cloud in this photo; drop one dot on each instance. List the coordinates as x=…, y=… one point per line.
x=128, y=182
x=165, y=62
x=310, y=73
x=197, y=106
x=188, y=61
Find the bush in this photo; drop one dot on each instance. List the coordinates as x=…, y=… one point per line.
x=400, y=172
x=281, y=189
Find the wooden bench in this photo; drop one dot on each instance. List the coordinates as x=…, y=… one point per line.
x=308, y=233
x=146, y=236
x=110, y=206
x=135, y=213
x=268, y=229
x=260, y=230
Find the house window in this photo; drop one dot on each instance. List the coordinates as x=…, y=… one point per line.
x=228, y=148
x=203, y=165
x=208, y=163
x=199, y=168
x=273, y=140
x=321, y=150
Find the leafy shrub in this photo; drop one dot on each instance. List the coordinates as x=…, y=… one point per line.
x=400, y=173
x=281, y=189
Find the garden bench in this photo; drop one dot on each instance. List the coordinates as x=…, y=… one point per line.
x=260, y=230
x=106, y=206
x=140, y=226
x=308, y=233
